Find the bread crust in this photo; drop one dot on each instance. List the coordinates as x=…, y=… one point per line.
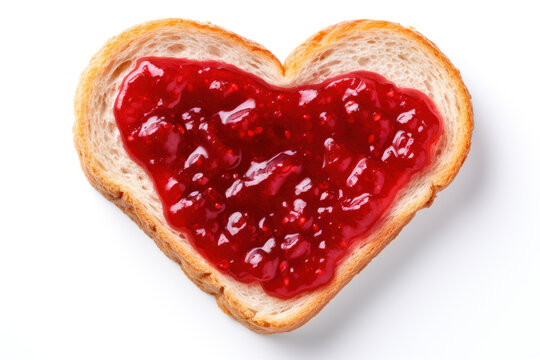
x=199, y=271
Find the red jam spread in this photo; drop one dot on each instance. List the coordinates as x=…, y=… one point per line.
x=273, y=184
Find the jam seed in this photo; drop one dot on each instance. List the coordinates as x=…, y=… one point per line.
x=377, y=116
x=223, y=264
x=202, y=180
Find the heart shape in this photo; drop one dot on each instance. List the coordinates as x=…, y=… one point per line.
x=273, y=184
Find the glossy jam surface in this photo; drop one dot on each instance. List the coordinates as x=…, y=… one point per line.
x=273, y=184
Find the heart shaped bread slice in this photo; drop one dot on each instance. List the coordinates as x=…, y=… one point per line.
x=401, y=55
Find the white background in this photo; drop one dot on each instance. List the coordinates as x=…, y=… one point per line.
x=79, y=280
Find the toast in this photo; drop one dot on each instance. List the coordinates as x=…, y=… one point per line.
x=400, y=54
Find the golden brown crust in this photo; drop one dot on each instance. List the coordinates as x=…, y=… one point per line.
x=199, y=272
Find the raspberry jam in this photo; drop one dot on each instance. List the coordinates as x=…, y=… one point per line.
x=273, y=184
